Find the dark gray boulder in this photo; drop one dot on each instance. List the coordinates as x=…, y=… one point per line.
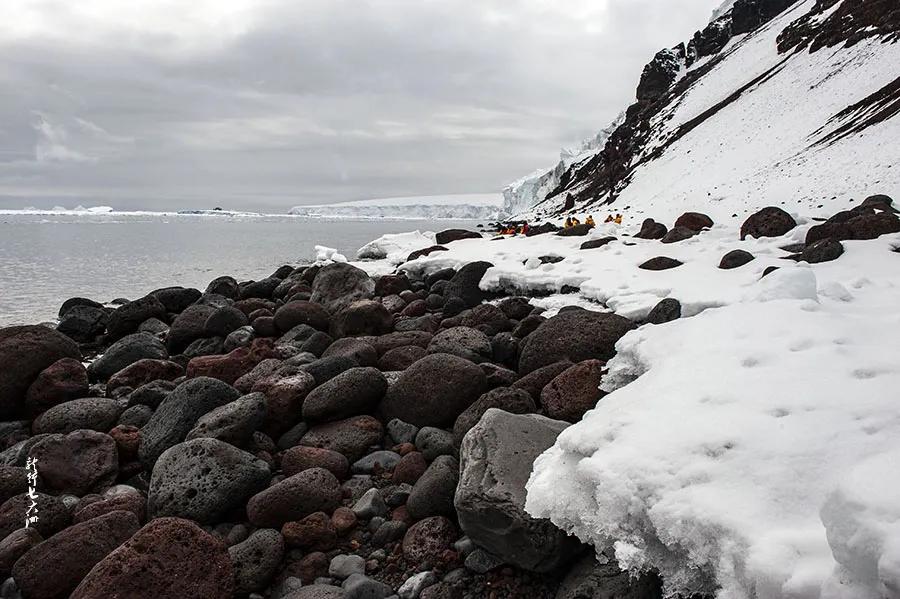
x=495, y=463
x=432, y=495
x=256, y=560
x=338, y=285
x=125, y=352
x=202, y=479
x=573, y=335
x=178, y=414
x=234, y=422
x=465, y=342
x=351, y=393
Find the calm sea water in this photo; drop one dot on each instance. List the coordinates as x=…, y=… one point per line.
x=47, y=259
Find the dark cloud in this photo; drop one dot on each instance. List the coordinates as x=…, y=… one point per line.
x=269, y=103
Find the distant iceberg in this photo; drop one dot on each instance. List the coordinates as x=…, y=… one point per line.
x=481, y=206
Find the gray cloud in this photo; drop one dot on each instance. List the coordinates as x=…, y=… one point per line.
x=269, y=103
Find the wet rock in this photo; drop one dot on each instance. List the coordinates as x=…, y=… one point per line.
x=768, y=222
x=125, y=352
x=294, y=498
x=495, y=463
x=353, y=392
x=25, y=352
x=650, y=229
x=338, y=285
x=256, y=560
x=351, y=437
x=434, y=391
x=77, y=463
x=427, y=539
x=660, y=263
x=665, y=311
x=128, y=317
x=695, y=221
x=573, y=335
x=178, y=414
x=83, y=323
x=735, y=259
x=300, y=458
x=70, y=555
x=512, y=400
x=169, y=557
x=574, y=391
x=62, y=381
x=432, y=494
x=93, y=413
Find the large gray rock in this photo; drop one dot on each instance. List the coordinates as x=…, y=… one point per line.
x=125, y=352
x=351, y=393
x=128, y=317
x=178, y=414
x=338, y=285
x=202, y=479
x=92, y=413
x=465, y=342
x=188, y=326
x=434, y=391
x=234, y=422
x=495, y=463
x=590, y=578
x=574, y=335
x=256, y=560
x=465, y=284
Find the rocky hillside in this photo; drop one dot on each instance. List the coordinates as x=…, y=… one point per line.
x=773, y=102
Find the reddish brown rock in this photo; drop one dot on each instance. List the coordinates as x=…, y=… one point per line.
x=695, y=221
x=343, y=520
x=77, y=463
x=169, y=557
x=428, y=539
x=301, y=312
x=54, y=515
x=15, y=545
x=285, y=394
x=62, y=381
x=25, y=352
x=300, y=458
x=128, y=440
x=351, y=437
x=71, y=554
x=768, y=222
x=410, y=468
x=315, y=532
x=311, y=566
x=534, y=382
x=143, y=372
x=573, y=392
x=314, y=490
x=132, y=502
x=232, y=366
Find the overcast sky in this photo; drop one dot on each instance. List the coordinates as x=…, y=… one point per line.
x=265, y=104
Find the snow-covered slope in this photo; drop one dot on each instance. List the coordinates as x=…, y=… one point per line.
x=481, y=206
x=775, y=102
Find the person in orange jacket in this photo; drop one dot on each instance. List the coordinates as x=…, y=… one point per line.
x=589, y=221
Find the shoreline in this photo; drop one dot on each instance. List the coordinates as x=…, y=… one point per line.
x=412, y=427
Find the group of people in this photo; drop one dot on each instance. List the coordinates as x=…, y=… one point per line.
x=514, y=229
x=572, y=221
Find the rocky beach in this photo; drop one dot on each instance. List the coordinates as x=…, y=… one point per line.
x=323, y=433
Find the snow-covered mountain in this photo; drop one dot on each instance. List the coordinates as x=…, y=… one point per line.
x=775, y=102
x=480, y=206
